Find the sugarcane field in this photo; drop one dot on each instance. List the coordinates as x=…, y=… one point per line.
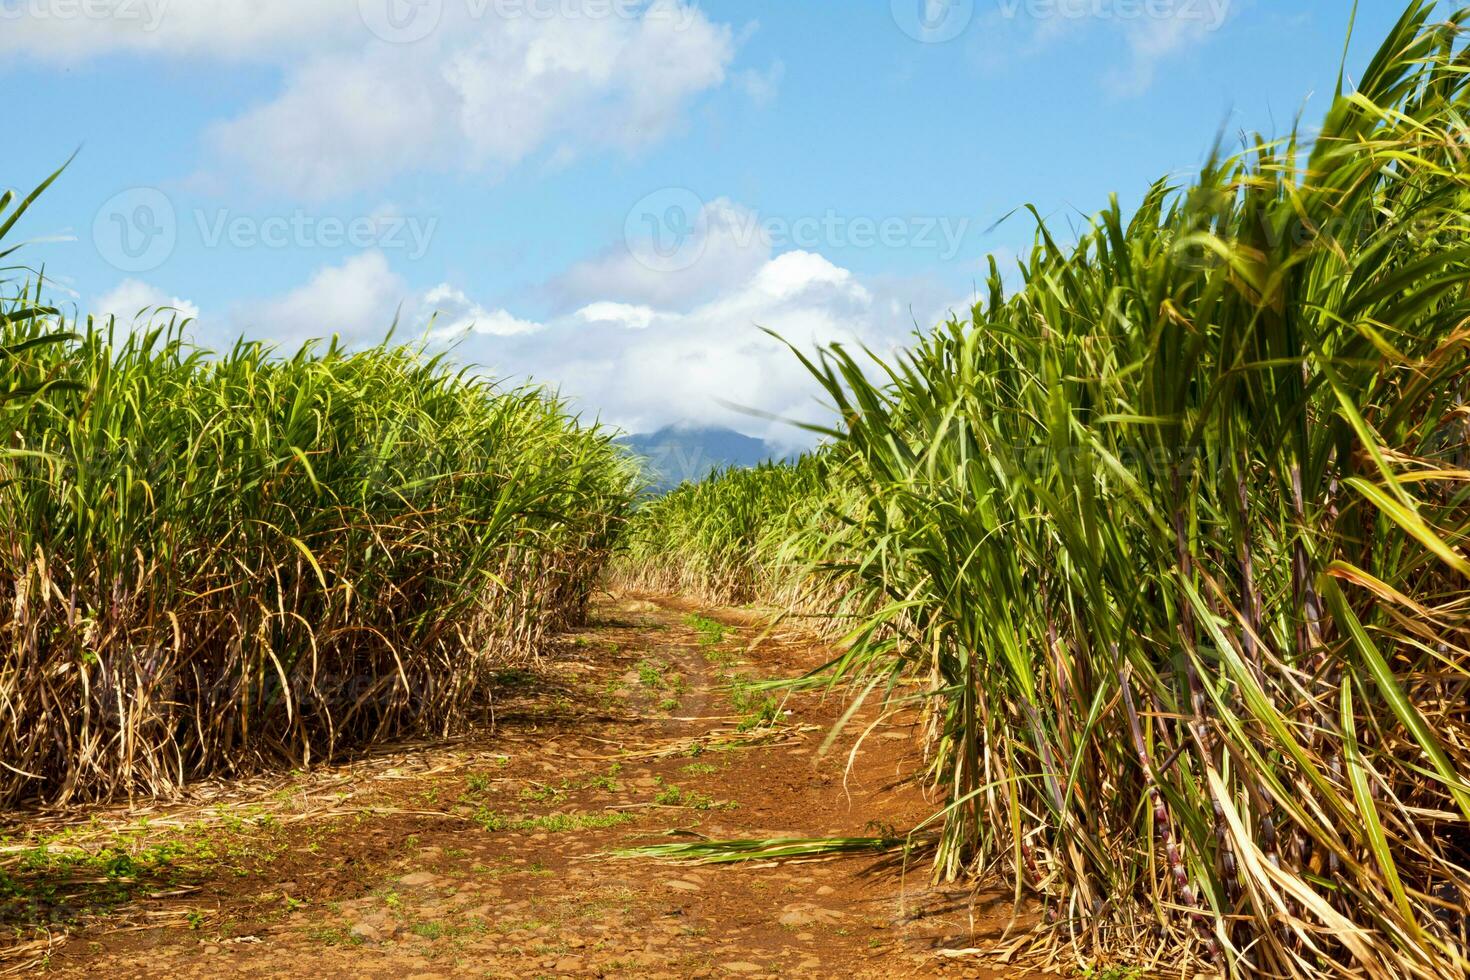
x=685, y=488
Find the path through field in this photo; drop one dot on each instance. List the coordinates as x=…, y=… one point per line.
x=490, y=856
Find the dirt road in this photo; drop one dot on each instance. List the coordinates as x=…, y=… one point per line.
x=492, y=856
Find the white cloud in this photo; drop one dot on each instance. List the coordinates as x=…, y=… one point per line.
x=344, y=123
x=357, y=300
x=645, y=366
x=136, y=303
x=762, y=86
x=730, y=247
x=641, y=365
x=491, y=83
x=618, y=314
x=483, y=94
x=71, y=30
x=618, y=81
x=1153, y=42
x=453, y=314
x=693, y=365
x=1150, y=37
x=791, y=274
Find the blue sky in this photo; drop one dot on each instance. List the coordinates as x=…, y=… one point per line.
x=613, y=196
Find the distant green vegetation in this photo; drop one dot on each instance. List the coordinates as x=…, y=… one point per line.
x=725, y=539
x=1173, y=538
x=710, y=632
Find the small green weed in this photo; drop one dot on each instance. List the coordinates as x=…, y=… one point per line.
x=555, y=823
x=710, y=632
x=689, y=799
x=756, y=708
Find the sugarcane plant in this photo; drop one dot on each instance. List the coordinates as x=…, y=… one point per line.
x=1167, y=541
x=725, y=538
x=20, y=302
x=213, y=562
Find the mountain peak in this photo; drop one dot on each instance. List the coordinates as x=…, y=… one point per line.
x=687, y=453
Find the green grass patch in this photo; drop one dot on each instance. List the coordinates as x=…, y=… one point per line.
x=553, y=823
x=546, y=793
x=710, y=632
x=659, y=677
x=333, y=936
x=672, y=795
x=53, y=880
x=756, y=708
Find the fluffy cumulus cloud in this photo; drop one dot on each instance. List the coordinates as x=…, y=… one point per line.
x=642, y=367
x=728, y=246
x=371, y=89
x=357, y=300
x=451, y=314
x=343, y=124
x=71, y=30
x=619, y=80
x=1153, y=34
x=648, y=346
x=625, y=315
x=707, y=363
x=134, y=303
x=481, y=92
x=654, y=354
x=485, y=94
x=645, y=367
